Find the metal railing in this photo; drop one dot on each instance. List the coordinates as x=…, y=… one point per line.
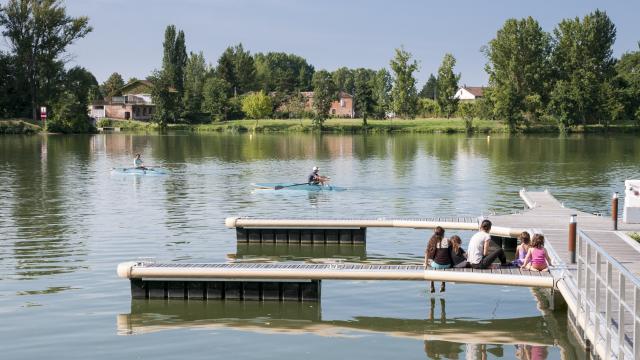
x=608, y=301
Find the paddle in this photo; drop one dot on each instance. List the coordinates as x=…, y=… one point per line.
x=280, y=187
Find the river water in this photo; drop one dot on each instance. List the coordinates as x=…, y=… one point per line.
x=66, y=222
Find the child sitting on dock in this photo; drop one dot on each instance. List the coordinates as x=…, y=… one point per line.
x=537, y=257
x=458, y=255
x=439, y=253
x=522, y=249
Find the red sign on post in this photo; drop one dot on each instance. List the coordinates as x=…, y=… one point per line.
x=43, y=113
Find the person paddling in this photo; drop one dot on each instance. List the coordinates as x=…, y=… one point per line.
x=138, y=163
x=315, y=178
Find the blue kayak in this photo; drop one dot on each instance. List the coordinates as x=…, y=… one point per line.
x=139, y=171
x=297, y=186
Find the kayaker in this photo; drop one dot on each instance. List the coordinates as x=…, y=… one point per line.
x=138, y=163
x=315, y=178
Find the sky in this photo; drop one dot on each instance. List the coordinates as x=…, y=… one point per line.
x=127, y=34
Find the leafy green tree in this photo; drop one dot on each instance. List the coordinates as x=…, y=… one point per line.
x=344, y=78
x=216, y=98
x=429, y=89
x=324, y=93
x=69, y=115
x=447, y=85
x=282, y=72
x=518, y=68
x=381, y=87
x=257, y=105
x=628, y=78
x=82, y=84
x=583, y=65
x=113, y=85
x=195, y=73
x=467, y=110
x=12, y=104
x=165, y=99
x=404, y=95
x=236, y=66
x=39, y=33
x=363, y=94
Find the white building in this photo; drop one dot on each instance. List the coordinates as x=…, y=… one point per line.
x=469, y=93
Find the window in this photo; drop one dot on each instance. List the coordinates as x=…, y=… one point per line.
x=342, y=104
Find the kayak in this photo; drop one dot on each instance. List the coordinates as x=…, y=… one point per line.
x=297, y=186
x=139, y=171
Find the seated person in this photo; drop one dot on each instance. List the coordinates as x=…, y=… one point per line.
x=480, y=256
x=537, y=256
x=315, y=178
x=458, y=255
x=138, y=163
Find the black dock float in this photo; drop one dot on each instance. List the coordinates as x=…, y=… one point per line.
x=226, y=290
x=302, y=236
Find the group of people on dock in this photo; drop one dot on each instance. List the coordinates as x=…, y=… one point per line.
x=444, y=253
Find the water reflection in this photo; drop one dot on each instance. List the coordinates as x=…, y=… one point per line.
x=443, y=337
x=46, y=231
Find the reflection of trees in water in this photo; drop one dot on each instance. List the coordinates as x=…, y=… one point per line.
x=45, y=171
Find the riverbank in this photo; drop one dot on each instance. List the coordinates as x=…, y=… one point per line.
x=346, y=126
x=18, y=127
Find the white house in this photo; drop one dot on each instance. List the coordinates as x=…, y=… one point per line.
x=469, y=93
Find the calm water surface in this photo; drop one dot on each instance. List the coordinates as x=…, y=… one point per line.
x=66, y=222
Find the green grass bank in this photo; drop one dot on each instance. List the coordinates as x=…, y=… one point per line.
x=19, y=127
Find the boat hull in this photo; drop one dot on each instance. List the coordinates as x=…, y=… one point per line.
x=138, y=171
x=296, y=187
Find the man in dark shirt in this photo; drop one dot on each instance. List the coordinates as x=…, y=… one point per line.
x=315, y=178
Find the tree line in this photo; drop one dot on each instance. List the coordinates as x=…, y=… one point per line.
x=566, y=77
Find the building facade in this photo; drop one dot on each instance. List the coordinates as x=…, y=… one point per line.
x=134, y=104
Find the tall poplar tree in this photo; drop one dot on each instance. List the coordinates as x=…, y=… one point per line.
x=363, y=93
x=404, y=95
x=381, y=88
x=447, y=85
x=195, y=73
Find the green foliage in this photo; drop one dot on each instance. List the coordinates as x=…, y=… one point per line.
x=363, y=93
x=467, y=110
x=381, y=88
x=236, y=66
x=429, y=89
x=324, y=93
x=583, y=63
x=447, y=85
x=68, y=115
x=257, y=105
x=628, y=81
x=195, y=73
x=13, y=103
x=165, y=98
x=282, y=72
x=404, y=95
x=174, y=59
x=344, y=78
x=83, y=84
x=518, y=69
x=428, y=108
x=18, y=127
x=39, y=33
x=216, y=98
x=113, y=85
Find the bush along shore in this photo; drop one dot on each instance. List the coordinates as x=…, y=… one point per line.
x=355, y=126
x=18, y=126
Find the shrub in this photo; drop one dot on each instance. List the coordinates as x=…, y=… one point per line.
x=257, y=105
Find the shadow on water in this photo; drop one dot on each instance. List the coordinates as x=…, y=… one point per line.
x=442, y=336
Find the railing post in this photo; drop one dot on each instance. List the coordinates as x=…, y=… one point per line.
x=636, y=324
x=614, y=210
x=621, y=300
x=573, y=224
x=607, y=312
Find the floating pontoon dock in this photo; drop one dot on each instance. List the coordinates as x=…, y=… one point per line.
x=597, y=273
